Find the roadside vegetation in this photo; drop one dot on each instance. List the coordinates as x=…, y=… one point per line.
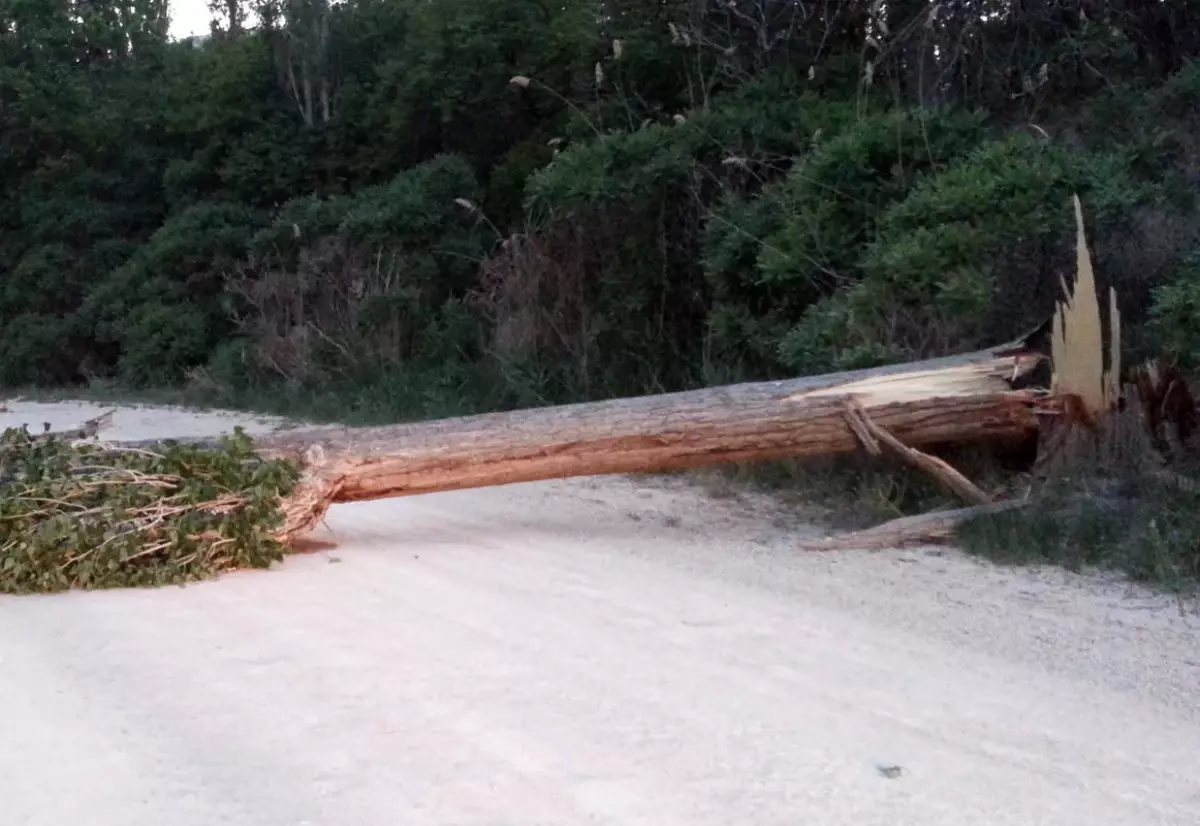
x=379, y=210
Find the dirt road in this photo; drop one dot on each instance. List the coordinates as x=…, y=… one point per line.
x=601, y=651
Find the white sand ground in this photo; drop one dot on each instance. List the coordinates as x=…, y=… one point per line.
x=605, y=651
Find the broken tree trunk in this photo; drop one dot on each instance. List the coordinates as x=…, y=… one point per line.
x=967, y=398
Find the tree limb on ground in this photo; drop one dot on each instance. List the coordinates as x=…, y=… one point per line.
x=923, y=529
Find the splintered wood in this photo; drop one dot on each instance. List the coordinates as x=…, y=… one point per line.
x=1084, y=422
x=1085, y=391
x=1077, y=344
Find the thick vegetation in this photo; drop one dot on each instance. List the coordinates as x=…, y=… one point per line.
x=376, y=209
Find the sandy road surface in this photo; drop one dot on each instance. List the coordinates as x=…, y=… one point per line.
x=600, y=651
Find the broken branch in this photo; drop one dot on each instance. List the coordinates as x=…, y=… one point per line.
x=925, y=528
x=872, y=434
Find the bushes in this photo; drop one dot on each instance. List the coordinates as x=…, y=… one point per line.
x=748, y=137
x=328, y=283
x=636, y=205
x=827, y=239
x=974, y=254
x=354, y=286
x=800, y=240
x=617, y=225
x=1175, y=313
x=163, y=310
x=868, y=255
x=36, y=348
x=425, y=216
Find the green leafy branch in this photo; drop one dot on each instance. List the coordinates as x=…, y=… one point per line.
x=88, y=515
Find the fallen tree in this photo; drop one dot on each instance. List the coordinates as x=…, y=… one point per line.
x=76, y=512
x=1095, y=414
x=289, y=479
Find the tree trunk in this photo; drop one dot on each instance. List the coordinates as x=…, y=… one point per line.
x=958, y=399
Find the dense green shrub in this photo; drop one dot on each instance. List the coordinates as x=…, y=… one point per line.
x=36, y=348
x=747, y=137
x=1175, y=313
x=342, y=286
x=421, y=215
x=772, y=258
x=974, y=253
x=163, y=310
x=638, y=204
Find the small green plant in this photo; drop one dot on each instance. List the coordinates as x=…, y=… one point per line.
x=85, y=515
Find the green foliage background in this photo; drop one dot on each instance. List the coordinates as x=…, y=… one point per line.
x=376, y=210
x=352, y=210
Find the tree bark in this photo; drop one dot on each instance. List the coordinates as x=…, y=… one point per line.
x=959, y=399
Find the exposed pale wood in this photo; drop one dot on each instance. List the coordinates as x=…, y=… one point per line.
x=926, y=528
x=1086, y=383
x=1087, y=390
x=862, y=425
x=1077, y=344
